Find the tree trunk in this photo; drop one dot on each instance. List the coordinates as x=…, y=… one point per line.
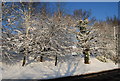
x=41, y=58
x=56, y=60
x=86, y=56
x=24, y=61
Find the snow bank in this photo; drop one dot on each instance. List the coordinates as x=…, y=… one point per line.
x=45, y=70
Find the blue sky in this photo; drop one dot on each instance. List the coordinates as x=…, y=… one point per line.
x=99, y=9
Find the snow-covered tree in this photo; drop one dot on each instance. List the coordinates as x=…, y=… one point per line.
x=35, y=35
x=85, y=37
x=107, y=41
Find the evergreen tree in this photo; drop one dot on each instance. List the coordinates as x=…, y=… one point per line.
x=85, y=38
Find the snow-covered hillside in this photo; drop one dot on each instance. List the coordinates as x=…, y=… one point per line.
x=46, y=69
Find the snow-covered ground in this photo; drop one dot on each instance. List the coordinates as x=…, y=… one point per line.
x=46, y=69
x=0, y=71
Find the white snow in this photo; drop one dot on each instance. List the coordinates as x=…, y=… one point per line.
x=46, y=69
x=0, y=71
